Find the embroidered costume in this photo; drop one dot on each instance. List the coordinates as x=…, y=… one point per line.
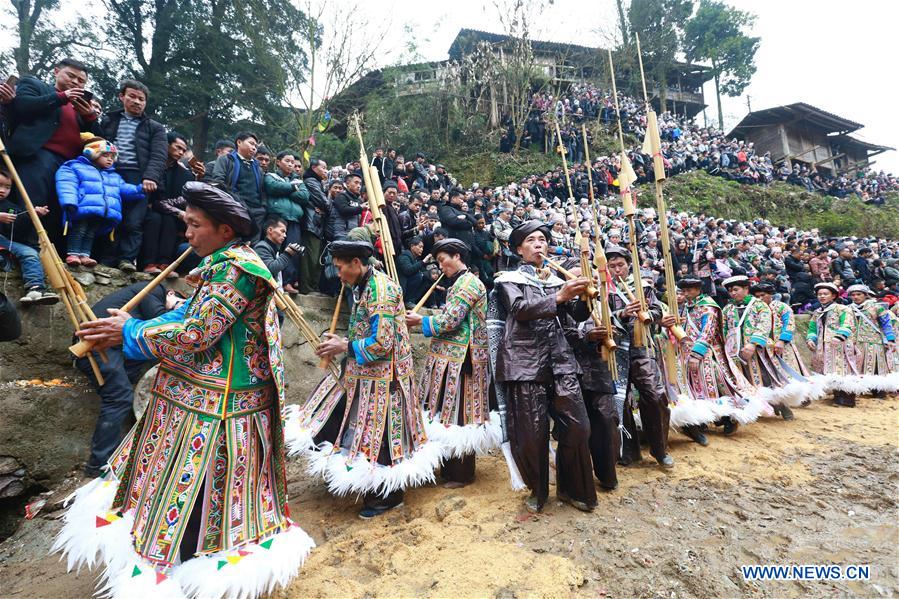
x=871, y=336
x=717, y=379
x=455, y=381
x=364, y=433
x=195, y=501
x=830, y=331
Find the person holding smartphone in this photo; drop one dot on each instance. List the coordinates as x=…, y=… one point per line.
x=46, y=123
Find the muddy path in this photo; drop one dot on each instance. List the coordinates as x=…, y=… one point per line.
x=820, y=489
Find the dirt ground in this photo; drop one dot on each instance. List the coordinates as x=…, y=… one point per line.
x=819, y=490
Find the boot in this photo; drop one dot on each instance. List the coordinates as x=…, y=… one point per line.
x=695, y=433
x=730, y=426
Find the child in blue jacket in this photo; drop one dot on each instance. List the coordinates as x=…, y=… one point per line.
x=90, y=195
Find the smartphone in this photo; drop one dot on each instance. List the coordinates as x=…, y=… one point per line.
x=87, y=96
x=193, y=161
x=12, y=80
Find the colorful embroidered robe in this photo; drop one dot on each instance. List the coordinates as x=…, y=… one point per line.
x=830, y=330
x=212, y=431
x=716, y=376
x=369, y=421
x=873, y=329
x=455, y=381
x=749, y=322
x=784, y=329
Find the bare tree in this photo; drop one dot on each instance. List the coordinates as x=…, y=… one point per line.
x=341, y=46
x=42, y=40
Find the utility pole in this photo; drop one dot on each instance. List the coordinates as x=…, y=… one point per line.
x=749, y=102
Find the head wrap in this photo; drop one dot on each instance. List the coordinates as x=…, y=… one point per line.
x=519, y=233
x=762, y=288
x=829, y=286
x=220, y=206
x=616, y=251
x=351, y=249
x=688, y=282
x=450, y=246
x=94, y=146
x=862, y=288
x=388, y=184
x=741, y=280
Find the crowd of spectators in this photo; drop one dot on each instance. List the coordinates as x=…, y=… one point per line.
x=686, y=146
x=107, y=188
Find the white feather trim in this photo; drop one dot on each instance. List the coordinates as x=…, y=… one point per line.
x=516, y=480
x=79, y=539
x=793, y=394
x=361, y=476
x=458, y=441
x=855, y=384
x=750, y=410
x=887, y=383
x=250, y=572
x=126, y=575
x=123, y=581
x=298, y=440
x=691, y=412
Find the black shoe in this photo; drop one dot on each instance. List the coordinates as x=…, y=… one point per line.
x=695, y=433
x=367, y=513
x=608, y=488
x=532, y=505
x=786, y=413
x=578, y=505
x=666, y=462
x=730, y=427
x=627, y=460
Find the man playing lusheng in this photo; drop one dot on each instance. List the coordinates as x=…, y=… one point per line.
x=364, y=432
x=455, y=381
x=195, y=500
x=539, y=370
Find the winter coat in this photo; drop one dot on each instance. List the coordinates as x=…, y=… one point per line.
x=285, y=197
x=150, y=142
x=227, y=171
x=33, y=117
x=343, y=216
x=533, y=346
x=314, y=221
x=90, y=192
x=458, y=222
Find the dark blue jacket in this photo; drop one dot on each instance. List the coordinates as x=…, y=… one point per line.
x=33, y=117
x=93, y=192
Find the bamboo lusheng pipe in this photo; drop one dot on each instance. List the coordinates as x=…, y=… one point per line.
x=564, y=165
x=83, y=347
x=599, y=261
x=627, y=203
x=323, y=363
x=592, y=291
x=644, y=315
x=376, y=202
x=70, y=291
x=658, y=169
x=425, y=297
x=295, y=314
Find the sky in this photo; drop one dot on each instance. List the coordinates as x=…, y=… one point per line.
x=829, y=54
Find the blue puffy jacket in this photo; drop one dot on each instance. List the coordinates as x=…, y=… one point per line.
x=93, y=192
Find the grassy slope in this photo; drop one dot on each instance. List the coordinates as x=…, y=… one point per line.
x=780, y=203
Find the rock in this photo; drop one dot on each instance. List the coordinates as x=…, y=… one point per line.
x=11, y=486
x=8, y=464
x=85, y=278
x=448, y=505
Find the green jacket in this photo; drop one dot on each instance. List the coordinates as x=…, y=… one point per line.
x=285, y=197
